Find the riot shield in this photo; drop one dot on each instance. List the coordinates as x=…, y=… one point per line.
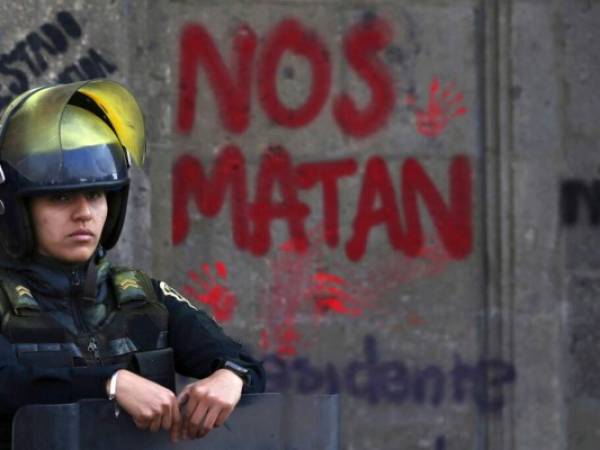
x=259, y=422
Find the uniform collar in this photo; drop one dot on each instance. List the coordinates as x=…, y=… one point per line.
x=54, y=278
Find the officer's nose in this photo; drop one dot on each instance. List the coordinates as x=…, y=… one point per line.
x=82, y=209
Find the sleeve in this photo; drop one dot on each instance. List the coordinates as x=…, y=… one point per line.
x=200, y=344
x=21, y=385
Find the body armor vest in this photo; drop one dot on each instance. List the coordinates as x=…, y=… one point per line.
x=132, y=335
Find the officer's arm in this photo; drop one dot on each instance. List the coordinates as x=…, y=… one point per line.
x=200, y=345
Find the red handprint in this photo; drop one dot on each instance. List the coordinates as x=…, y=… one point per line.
x=442, y=106
x=329, y=295
x=211, y=291
x=283, y=337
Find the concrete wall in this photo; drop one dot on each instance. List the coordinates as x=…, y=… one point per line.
x=393, y=200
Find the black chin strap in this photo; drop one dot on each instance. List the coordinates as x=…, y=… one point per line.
x=91, y=277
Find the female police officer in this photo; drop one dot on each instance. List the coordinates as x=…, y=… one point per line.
x=72, y=325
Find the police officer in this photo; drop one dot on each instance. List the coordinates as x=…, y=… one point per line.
x=72, y=325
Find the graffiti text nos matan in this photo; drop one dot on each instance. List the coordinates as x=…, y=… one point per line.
x=378, y=203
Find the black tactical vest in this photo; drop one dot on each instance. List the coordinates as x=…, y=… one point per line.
x=133, y=335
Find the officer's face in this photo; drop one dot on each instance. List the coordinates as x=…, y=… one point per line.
x=68, y=225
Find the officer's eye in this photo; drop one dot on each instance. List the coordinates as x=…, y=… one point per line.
x=94, y=195
x=60, y=197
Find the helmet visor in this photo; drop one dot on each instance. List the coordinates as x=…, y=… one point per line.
x=51, y=142
x=100, y=166
x=124, y=114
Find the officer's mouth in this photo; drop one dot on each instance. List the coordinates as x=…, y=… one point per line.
x=82, y=236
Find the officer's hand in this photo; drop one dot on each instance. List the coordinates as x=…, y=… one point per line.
x=207, y=403
x=151, y=405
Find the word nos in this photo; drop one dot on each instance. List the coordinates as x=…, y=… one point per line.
x=394, y=382
x=277, y=175
x=29, y=57
x=575, y=193
x=361, y=45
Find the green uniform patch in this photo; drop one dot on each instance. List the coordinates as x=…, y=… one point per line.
x=128, y=287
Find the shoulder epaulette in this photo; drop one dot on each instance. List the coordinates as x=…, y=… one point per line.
x=131, y=285
x=20, y=298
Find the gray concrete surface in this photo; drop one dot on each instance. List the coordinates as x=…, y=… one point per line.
x=477, y=333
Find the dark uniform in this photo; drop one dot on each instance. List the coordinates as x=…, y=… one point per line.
x=66, y=328
x=60, y=346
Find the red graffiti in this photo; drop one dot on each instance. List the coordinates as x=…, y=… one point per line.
x=210, y=289
x=290, y=35
x=231, y=88
x=453, y=223
x=297, y=288
x=330, y=295
x=361, y=46
x=386, y=275
x=290, y=271
x=232, y=85
x=377, y=203
x=328, y=174
x=283, y=338
x=190, y=181
x=301, y=295
x=431, y=261
x=442, y=106
x=276, y=171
